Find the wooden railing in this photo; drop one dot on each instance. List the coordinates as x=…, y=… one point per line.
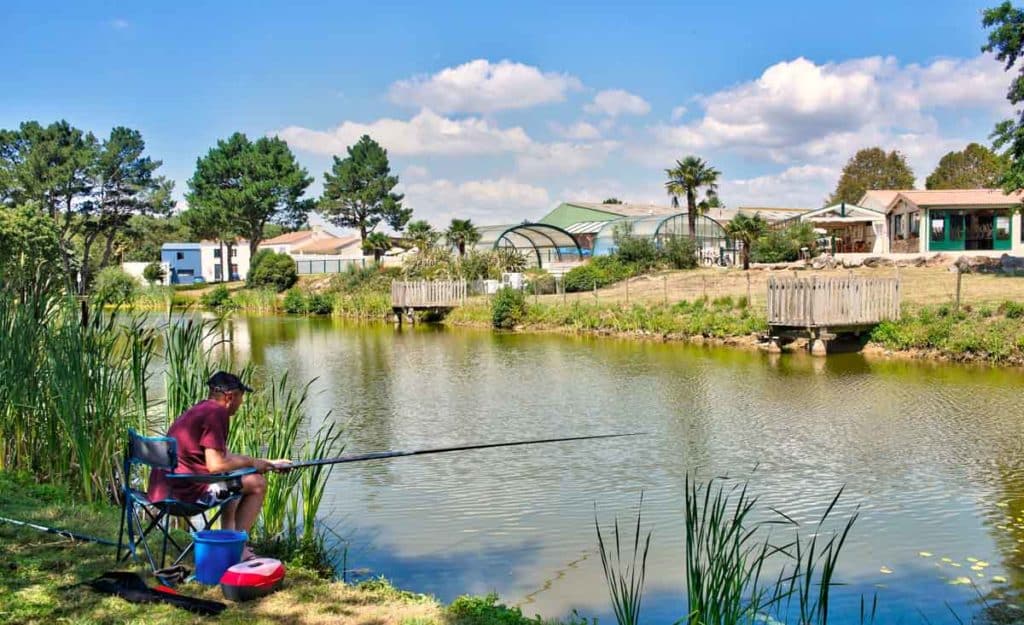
x=822, y=302
x=425, y=294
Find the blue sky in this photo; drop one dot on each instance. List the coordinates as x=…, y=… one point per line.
x=498, y=112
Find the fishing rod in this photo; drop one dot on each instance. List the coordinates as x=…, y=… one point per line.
x=59, y=532
x=377, y=455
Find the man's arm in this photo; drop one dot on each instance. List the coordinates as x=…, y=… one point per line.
x=219, y=462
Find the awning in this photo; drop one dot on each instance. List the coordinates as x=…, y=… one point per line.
x=585, y=227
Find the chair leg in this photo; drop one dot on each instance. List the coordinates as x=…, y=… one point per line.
x=167, y=531
x=120, y=529
x=183, y=553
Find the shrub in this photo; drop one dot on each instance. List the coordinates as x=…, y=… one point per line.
x=273, y=270
x=508, y=309
x=780, y=246
x=680, y=252
x=1012, y=310
x=319, y=304
x=466, y=610
x=639, y=251
x=217, y=298
x=114, y=286
x=601, y=270
x=294, y=301
x=478, y=265
x=540, y=282
x=254, y=264
x=154, y=272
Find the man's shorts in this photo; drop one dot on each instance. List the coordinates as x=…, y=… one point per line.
x=218, y=492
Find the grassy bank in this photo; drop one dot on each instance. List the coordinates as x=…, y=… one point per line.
x=987, y=333
x=41, y=572
x=721, y=318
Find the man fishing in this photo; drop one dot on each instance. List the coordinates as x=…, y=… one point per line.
x=202, y=435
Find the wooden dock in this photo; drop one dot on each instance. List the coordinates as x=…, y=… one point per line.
x=438, y=296
x=819, y=309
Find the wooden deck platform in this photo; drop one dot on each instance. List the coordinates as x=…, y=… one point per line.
x=821, y=308
x=409, y=297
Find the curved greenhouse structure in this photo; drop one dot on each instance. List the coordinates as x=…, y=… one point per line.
x=713, y=245
x=542, y=244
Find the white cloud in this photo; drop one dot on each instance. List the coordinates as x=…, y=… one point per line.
x=426, y=133
x=803, y=186
x=415, y=172
x=483, y=87
x=799, y=110
x=615, y=102
x=580, y=131
x=486, y=202
x=564, y=158
x=678, y=112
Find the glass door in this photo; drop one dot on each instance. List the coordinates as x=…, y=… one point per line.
x=948, y=230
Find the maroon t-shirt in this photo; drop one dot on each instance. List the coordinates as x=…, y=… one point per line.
x=201, y=427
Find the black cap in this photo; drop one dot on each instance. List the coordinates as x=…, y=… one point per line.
x=223, y=381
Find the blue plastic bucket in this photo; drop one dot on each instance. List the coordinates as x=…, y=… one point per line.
x=216, y=551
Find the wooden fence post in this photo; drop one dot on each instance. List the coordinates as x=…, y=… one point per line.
x=665, y=285
x=959, y=281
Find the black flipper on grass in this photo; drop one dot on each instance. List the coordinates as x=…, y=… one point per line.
x=132, y=588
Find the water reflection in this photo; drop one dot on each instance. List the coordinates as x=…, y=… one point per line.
x=926, y=451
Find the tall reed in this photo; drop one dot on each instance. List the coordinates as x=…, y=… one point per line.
x=188, y=363
x=736, y=572
x=73, y=381
x=625, y=580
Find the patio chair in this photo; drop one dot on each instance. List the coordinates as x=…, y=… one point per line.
x=140, y=516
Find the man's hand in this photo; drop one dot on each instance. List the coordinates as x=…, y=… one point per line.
x=262, y=466
x=282, y=465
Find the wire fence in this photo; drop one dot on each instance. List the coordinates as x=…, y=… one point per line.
x=328, y=265
x=919, y=286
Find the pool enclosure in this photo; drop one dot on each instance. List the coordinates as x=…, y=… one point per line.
x=713, y=245
x=542, y=244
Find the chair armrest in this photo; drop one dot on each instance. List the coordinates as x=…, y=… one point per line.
x=209, y=478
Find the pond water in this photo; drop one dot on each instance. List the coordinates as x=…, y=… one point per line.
x=931, y=455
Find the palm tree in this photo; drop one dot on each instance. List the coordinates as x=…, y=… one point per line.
x=421, y=234
x=746, y=230
x=377, y=243
x=688, y=177
x=460, y=234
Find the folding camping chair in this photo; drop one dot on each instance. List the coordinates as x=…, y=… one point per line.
x=140, y=516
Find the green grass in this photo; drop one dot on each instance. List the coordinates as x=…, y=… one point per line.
x=980, y=334
x=686, y=319
x=41, y=574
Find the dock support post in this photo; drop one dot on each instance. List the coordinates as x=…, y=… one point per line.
x=818, y=347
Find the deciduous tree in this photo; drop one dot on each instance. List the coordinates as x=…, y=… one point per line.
x=1006, y=40
x=872, y=168
x=359, y=191
x=974, y=167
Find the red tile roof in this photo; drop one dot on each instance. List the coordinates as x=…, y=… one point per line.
x=289, y=237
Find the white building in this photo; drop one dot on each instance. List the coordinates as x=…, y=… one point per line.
x=207, y=261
